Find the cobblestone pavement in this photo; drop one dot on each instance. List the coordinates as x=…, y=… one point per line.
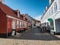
x=31, y=37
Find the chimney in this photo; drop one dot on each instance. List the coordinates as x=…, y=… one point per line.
x=18, y=13
x=46, y=7
x=50, y=1
x=2, y=1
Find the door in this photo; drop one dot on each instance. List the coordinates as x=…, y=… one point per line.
x=9, y=25
x=13, y=27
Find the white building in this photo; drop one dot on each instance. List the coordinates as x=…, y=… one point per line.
x=37, y=23
x=52, y=16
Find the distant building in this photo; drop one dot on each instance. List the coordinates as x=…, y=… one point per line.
x=37, y=22
x=31, y=20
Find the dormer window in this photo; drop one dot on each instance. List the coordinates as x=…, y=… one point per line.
x=18, y=14
x=55, y=7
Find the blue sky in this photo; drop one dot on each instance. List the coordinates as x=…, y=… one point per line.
x=34, y=8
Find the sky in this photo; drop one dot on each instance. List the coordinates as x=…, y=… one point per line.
x=34, y=8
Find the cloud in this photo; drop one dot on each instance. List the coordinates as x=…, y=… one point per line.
x=38, y=17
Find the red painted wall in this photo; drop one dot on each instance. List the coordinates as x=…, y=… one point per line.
x=9, y=25
x=3, y=23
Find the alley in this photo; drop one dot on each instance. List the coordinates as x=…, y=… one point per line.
x=35, y=34
x=30, y=22
x=31, y=37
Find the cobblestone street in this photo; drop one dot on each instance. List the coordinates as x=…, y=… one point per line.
x=35, y=34
x=31, y=37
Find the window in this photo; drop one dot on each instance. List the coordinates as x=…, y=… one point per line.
x=22, y=24
x=52, y=25
x=51, y=11
x=59, y=4
x=55, y=7
x=17, y=24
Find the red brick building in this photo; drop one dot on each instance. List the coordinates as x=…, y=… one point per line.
x=7, y=17
x=11, y=21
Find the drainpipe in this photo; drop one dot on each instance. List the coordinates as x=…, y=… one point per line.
x=7, y=27
x=54, y=25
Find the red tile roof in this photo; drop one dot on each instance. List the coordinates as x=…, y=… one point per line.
x=7, y=10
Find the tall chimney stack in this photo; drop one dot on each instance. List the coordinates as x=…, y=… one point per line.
x=2, y=1
x=50, y=1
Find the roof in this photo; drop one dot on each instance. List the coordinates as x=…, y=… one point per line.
x=37, y=20
x=7, y=10
x=47, y=9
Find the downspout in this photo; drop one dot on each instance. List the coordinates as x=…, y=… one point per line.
x=7, y=26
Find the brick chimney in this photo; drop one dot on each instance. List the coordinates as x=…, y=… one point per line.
x=18, y=13
x=50, y=1
x=2, y=1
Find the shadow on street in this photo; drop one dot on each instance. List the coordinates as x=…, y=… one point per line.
x=35, y=34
